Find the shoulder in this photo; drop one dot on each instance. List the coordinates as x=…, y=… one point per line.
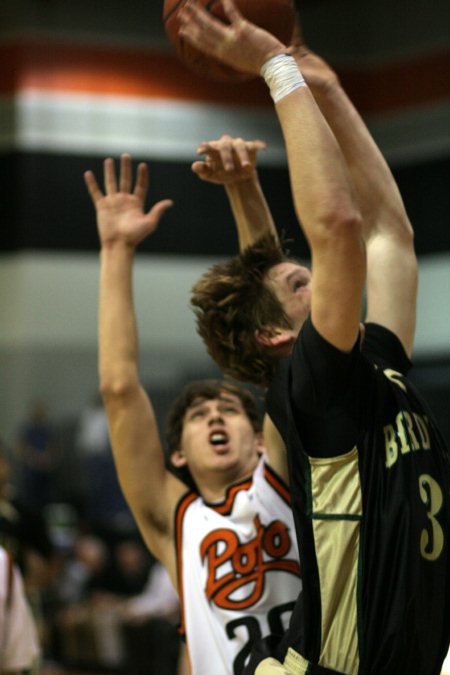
x=382, y=345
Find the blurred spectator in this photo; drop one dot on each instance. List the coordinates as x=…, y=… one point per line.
x=23, y=531
x=158, y=598
x=130, y=568
x=74, y=627
x=90, y=591
x=37, y=452
x=84, y=570
x=104, y=506
x=24, y=534
x=19, y=648
x=151, y=640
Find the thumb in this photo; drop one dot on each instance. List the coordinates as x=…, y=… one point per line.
x=200, y=168
x=157, y=211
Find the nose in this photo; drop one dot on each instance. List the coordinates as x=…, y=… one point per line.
x=214, y=417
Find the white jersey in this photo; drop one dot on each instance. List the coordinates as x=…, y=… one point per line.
x=18, y=638
x=238, y=571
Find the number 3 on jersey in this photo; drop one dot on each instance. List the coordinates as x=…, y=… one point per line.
x=432, y=538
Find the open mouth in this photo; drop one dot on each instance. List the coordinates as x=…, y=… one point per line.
x=218, y=439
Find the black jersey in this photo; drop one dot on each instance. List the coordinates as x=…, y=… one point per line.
x=370, y=483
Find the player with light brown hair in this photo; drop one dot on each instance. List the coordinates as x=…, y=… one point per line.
x=369, y=470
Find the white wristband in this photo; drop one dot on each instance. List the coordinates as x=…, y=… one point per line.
x=282, y=76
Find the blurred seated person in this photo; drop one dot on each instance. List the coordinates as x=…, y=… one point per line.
x=37, y=449
x=19, y=647
x=151, y=640
x=24, y=534
x=103, y=503
x=23, y=531
x=97, y=579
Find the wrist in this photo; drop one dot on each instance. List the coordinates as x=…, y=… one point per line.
x=117, y=247
x=242, y=183
x=282, y=75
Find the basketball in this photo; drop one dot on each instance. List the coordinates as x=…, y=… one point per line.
x=275, y=16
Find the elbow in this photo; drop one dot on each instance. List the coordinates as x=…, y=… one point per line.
x=343, y=223
x=117, y=386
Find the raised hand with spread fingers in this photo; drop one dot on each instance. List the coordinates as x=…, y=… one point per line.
x=121, y=215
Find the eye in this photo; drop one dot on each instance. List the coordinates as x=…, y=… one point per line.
x=196, y=414
x=230, y=409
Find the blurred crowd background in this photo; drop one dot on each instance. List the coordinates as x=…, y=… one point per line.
x=101, y=602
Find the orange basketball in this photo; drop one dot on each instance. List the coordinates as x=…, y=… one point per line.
x=275, y=16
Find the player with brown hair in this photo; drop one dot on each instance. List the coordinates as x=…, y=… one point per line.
x=220, y=519
x=369, y=470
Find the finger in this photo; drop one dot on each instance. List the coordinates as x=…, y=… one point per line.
x=141, y=187
x=109, y=173
x=227, y=156
x=157, y=211
x=125, y=173
x=201, y=168
x=199, y=27
x=253, y=148
x=241, y=148
x=193, y=13
x=259, y=145
x=91, y=183
x=231, y=11
x=207, y=147
x=202, y=148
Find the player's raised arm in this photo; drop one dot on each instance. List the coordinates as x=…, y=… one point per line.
x=321, y=185
x=231, y=162
x=391, y=260
x=122, y=224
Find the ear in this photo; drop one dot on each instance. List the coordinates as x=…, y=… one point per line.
x=178, y=459
x=260, y=443
x=278, y=342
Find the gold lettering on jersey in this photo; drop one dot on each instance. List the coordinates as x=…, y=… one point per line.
x=409, y=433
x=245, y=564
x=395, y=377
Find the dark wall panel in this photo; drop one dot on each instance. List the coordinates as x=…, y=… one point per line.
x=45, y=206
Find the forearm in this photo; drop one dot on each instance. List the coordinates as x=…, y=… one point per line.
x=391, y=259
x=321, y=185
x=118, y=348
x=377, y=193
x=329, y=217
x=250, y=210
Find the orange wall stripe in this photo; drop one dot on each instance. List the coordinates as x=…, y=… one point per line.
x=70, y=67
x=143, y=73
x=399, y=85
